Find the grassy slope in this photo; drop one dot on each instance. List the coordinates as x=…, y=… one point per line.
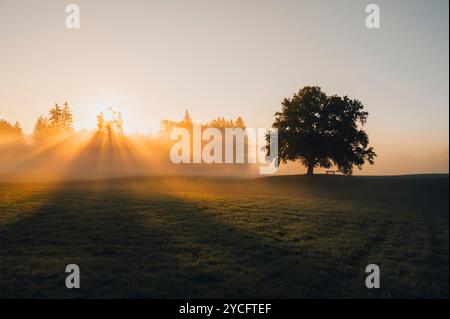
x=289, y=236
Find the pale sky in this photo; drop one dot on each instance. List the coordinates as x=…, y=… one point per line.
x=153, y=59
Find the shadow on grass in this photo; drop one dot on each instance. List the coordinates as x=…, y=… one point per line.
x=148, y=245
x=96, y=229
x=132, y=246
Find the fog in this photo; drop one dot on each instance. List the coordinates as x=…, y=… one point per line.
x=98, y=154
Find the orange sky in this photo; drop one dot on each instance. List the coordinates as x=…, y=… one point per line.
x=153, y=59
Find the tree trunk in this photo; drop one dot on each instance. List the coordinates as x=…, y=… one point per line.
x=310, y=171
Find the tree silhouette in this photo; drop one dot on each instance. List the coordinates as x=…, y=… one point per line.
x=67, y=118
x=112, y=125
x=18, y=129
x=239, y=122
x=168, y=125
x=187, y=120
x=321, y=130
x=119, y=123
x=100, y=121
x=8, y=131
x=187, y=123
x=55, y=117
x=219, y=123
x=42, y=129
x=59, y=121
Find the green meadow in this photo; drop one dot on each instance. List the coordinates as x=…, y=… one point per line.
x=277, y=237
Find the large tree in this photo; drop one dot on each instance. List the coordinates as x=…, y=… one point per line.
x=321, y=131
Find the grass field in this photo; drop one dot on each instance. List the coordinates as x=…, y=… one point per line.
x=280, y=237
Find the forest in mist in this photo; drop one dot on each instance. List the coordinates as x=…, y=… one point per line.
x=56, y=151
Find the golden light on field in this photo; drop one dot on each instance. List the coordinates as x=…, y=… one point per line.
x=149, y=70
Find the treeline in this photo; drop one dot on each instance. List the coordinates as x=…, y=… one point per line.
x=59, y=121
x=56, y=150
x=10, y=131
x=114, y=124
x=187, y=123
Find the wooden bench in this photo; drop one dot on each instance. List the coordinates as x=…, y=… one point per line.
x=330, y=172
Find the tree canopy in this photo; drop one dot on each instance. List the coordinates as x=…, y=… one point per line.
x=321, y=131
x=59, y=121
x=8, y=131
x=112, y=123
x=187, y=123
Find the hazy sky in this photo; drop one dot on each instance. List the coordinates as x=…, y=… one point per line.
x=153, y=59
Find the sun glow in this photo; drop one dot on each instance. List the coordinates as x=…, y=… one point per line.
x=134, y=122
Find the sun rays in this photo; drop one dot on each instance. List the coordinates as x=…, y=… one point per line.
x=56, y=151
